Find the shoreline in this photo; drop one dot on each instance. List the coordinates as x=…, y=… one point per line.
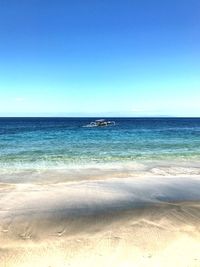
x=99, y=171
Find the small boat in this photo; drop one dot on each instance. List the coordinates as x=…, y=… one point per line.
x=100, y=123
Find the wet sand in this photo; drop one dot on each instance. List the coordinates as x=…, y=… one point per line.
x=146, y=221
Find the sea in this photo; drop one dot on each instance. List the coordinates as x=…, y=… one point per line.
x=156, y=146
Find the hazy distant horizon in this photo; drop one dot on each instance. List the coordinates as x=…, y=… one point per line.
x=87, y=115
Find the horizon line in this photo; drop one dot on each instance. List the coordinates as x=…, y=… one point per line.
x=100, y=116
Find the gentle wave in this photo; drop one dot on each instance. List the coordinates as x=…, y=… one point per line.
x=123, y=169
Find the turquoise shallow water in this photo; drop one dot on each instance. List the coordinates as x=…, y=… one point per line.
x=30, y=143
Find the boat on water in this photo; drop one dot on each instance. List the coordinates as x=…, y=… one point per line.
x=100, y=123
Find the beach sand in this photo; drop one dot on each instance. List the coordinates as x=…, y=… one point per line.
x=116, y=222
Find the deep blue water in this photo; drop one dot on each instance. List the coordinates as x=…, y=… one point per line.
x=58, y=142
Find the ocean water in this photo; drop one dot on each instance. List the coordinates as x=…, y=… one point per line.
x=60, y=143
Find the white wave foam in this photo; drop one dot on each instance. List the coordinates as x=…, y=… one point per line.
x=50, y=173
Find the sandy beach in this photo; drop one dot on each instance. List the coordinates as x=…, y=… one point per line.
x=146, y=221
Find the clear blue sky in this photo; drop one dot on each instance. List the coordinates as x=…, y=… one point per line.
x=114, y=57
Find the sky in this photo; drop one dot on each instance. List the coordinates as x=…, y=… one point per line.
x=99, y=57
